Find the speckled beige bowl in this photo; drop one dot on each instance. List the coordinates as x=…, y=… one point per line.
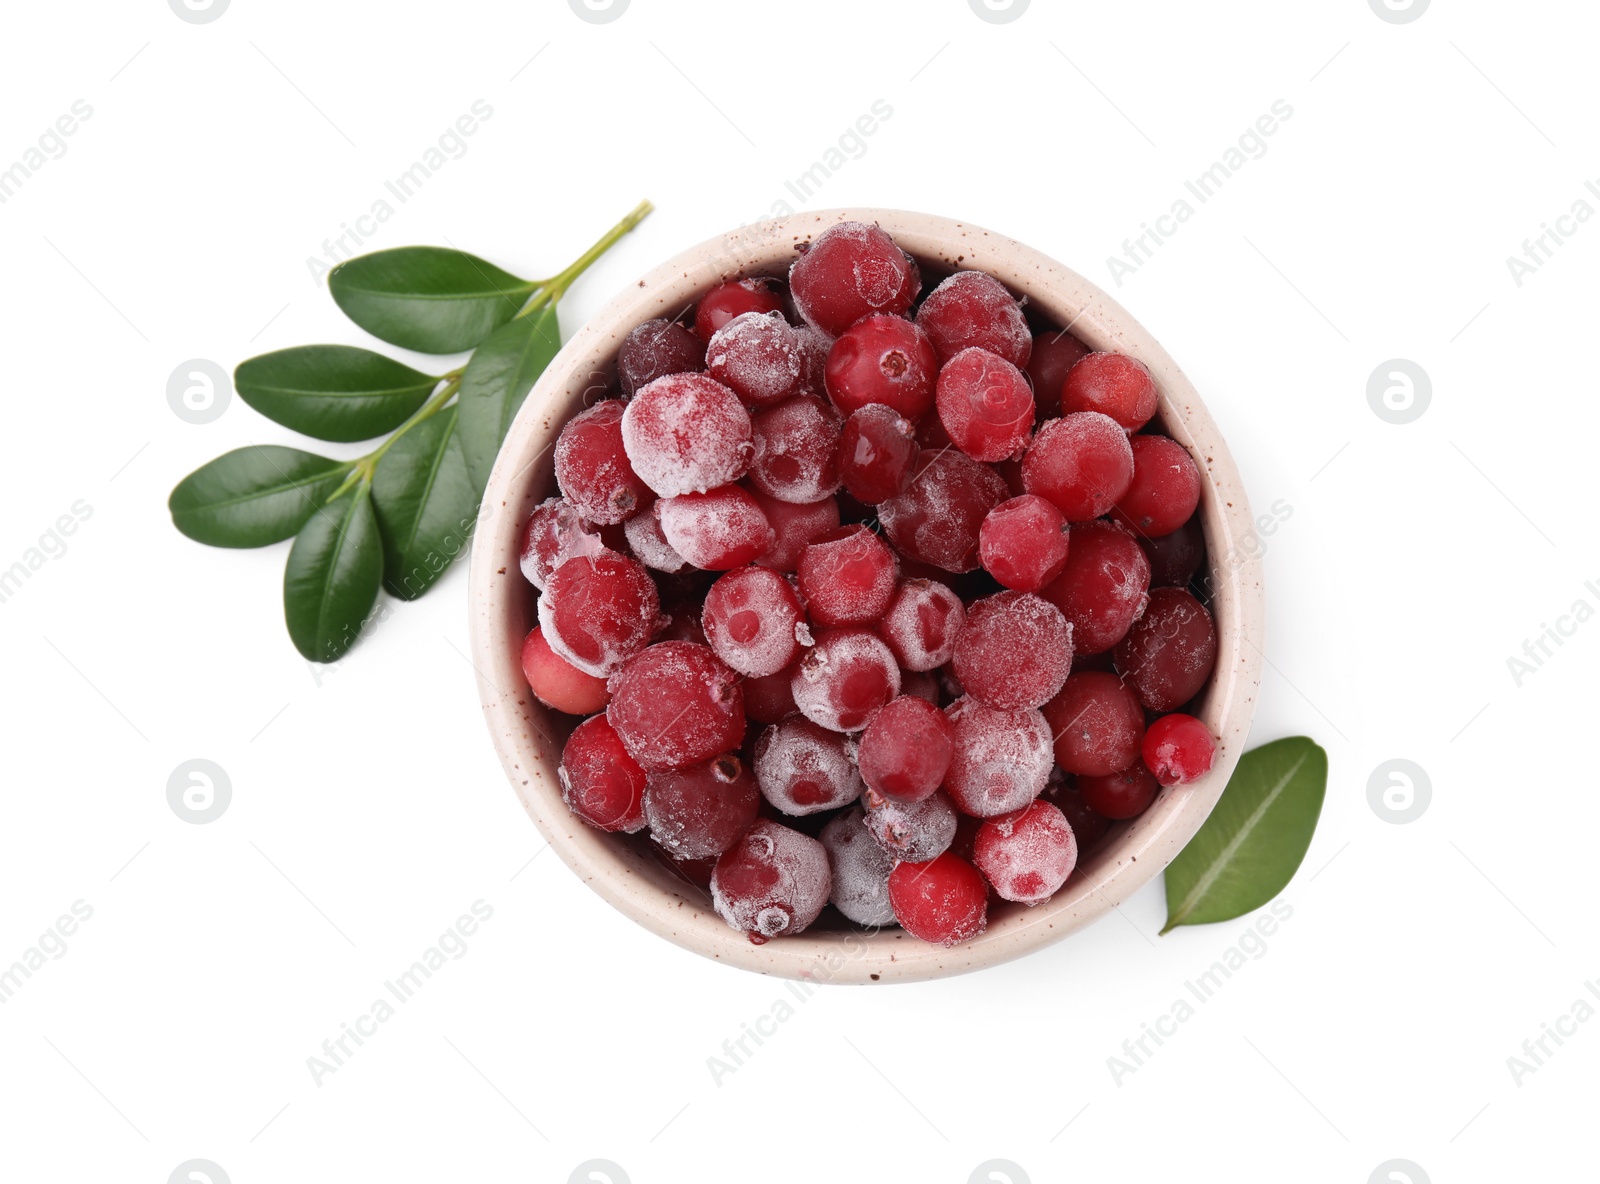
x=622, y=870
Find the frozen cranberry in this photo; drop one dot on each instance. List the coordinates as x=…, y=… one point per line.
x=921, y=683
x=883, y=359
x=556, y=682
x=905, y=749
x=1123, y=794
x=915, y=831
x=796, y=450
x=794, y=528
x=1114, y=385
x=1088, y=824
x=600, y=782
x=1101, y=589
x=937, y=519
x=772, y=881
x=555, y=533
x=768, y=699
x=1027, y=855
x=1175, y=557
x=1170, y=651
x=803, y=768
x=757, y=356
x=944, y=900
x=698, y=812
x=972, y=308
x=753, y=621
x=675, y=705
x=985, y=405
x=1055, y=351
x=1165, y=488
x=851, y=270
x=846, y=676
x=1178, y=748
x=1023, y=543
x=598, y=611
x=922, y=624
x=814, y=347
x=1081, y=463
x=733, y=299
x=715, y=531
x=877, y=453
x=860, y=870
x=1015, y=651
x=656, y=349
x=686, y=433
x=649, y=545
x=847, y=577
x=1097, y=723
x=1001, y=761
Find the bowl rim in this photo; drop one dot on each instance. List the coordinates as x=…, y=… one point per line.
x=648, y=892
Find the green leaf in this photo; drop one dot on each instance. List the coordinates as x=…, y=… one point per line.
x=333, y=575
x=254, y=496
x=1252, y=844
x=426, y=504
x=497, y=380
x=333, y=392
x=430, y=299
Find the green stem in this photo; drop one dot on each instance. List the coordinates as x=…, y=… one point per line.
x=362, y=468
x=556, y=286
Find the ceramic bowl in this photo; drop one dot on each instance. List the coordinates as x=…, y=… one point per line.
x=623, y=869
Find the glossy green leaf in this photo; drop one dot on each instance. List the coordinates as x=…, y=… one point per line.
x=254, y=496
x=333, y=392
x=431, y=299
x=332, y=578
x=1252, y=844
x=426, y=504
x=497, y=380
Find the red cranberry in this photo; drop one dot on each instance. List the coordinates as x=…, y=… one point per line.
x=922, y=624
x=794, y=528
x=600, y=782
x=758, y=356
x=860, y=870
x=906, y=749
x=877, y=453
x=556, y=682
x=1015, y=651
x=1101, y=589
x=796, y=450
x=675, y=705
x=1097, y=723
x=768, y=699
x=1165, y=487
x=1178, y=748
x=1001, y=761
x=1169, y=653
x=732, y=299
x=715, y=531
x=699, y=812
x=814, y=347
x=882, y=359
x=1124, y=794
x=649, y=545
x=555, y=533
x=972, y=308
x=655, y=349
x=847, y=577
x=937, y=519
x=1174, y=558
x=687, y=433
x=803, y=769
x=753, y=621
x=598, y=611
x=1114, y=385
x=1055, y=352
x=944, y=901
x=846, y=676
x=593, y=470
x=1026, y=855
x=985, y=405
x=1023, y=543
x=852, y=270
x=1081, y=463
x=915, y=831
x=772, y=881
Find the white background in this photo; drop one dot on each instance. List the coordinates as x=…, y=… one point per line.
x=368, y=810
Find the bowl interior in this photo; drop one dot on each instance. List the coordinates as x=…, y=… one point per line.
x=626, y=869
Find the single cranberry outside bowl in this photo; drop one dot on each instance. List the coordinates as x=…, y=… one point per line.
x=623, y=869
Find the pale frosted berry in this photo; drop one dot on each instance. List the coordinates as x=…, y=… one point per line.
x=849, y=271
x=1114, y=385
x=922, y=623
x=985, y=405
x=882, y=359
x=733, y=299
x=753, y=621
x=1055, y=352
x=937, y=519
x=973, y=309
x=772, y=881
x=1169, y=653
x=600, y=782
x=877, y=454
x=1023, y=543
x=1097, y=723
x=915, y=831
x=715, y=531
x=1176, y=557
x=555, y=533
x=1015, y=651
x=860, y=870
x=758, y=356
x=1124, y=794
x=699, y=812
x=1164, y=491
x=1001, y=761
x=768, y=699
x=686, y=433
x=598, y=611
x=796, y=450
x=1081, y=463
x=649, y=545
x=842, y=679
x=1178, y=748
x=676, y=704
x=1103, y=586
x=1027, y=855
x=556, y=682
x=944, y=901
x=656, y=349
x=803, y=769
x=847, y=577
x=905, y=749
x=794, y=528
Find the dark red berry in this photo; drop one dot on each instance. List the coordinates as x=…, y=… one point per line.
x=734, y=298
x=1174, y=558
x=852, y=270
x=1114, y=385
x=1055, y=352
x=877, y=453
x=1169, y=653
x=655, y=349
x=1081, y=463
x=1102, y=586
x=937, y=519
x=985, y=404
x=698, y=812
x=1164, y=491
x=1015, y=651
x=970, y=309
x=1097, y=723
x=944, y=900
x=1125, y=794
x=883, y=359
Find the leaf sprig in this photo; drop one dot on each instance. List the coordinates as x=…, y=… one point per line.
x=397, y=517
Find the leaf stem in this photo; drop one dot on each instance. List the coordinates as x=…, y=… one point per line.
x=556, y=286
x=362, y=468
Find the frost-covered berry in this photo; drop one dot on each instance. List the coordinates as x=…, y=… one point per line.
x=1001, y=761
x=1027, y=855
x=649, y=545
x=1169, y=653
x=905, y=749
x=847, y=577
x=654, y=350
x=758, y=356
x=598, y=611
x=944, y=901
x=937, y=519
x=600, y=782
x=877, y=454
x=555, y=533
x=842, y=679
x=676, y=704
x=753, y=621
x=914, y=831
x=772, y=881
x=592, y=467
x=1097, y=723
x=686, y=433
x=860, y=870
x=796, y=450
x=1114, y=385
x=922, y=623
x=1015, y=651
x=849, y=271
x=698, y=812
x=794, y=528
x=802, y=768
x=985, y=405
x=973, y=309
x=1023, y=543
x=1103, y=586
x=715, y=531
x=1081, y=464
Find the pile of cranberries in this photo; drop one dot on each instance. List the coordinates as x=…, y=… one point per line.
x=867, y=601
